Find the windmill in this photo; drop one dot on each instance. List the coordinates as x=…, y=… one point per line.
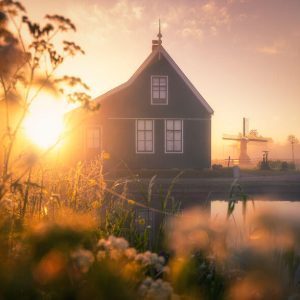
x=244, y=138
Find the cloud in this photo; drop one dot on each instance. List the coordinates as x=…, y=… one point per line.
x=200, y=19
x=275, y=48
x=188, y=19
x=120, y=16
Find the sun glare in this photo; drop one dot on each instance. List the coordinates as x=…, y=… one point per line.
x=44, y=123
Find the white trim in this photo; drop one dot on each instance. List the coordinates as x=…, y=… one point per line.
x=136, y=137
x=167, y=98
x=159, y=50
x=182, y=138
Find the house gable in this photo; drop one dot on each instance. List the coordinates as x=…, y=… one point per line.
x=136, y=92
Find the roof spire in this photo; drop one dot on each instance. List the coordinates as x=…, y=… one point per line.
x=157, y=43
x=159, y=35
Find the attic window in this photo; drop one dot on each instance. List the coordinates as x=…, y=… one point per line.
x=159, y=90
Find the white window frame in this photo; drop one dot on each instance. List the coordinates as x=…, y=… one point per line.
x=182, y=137
x=88, y=147
x=136, y=137
x=167, y=90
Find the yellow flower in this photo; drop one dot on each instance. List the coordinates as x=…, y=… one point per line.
x=141, y=221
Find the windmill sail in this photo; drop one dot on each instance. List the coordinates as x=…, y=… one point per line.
x=244, y=138
x=245, y=126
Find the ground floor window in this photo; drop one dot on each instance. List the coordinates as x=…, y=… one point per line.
x=173, y=136
x=93, y=138
x=144, y=136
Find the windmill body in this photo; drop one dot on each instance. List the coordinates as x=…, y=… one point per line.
x=244, y=139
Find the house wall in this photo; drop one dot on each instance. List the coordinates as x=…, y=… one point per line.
x=118, y=114
x=120, y=110
x=120, y=143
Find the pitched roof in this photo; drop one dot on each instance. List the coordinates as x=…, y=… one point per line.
x=160, y=49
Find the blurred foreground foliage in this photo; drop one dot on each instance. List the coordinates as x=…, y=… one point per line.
x=74, y=253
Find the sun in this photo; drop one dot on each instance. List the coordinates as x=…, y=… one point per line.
x=44, y=123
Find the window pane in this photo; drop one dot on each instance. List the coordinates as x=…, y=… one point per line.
x=177, y=124
x=155, y=80
x=141, y=124
x=141, y=146
x=163, y=95
x=155, y=94
x=148, y=125
x=177, y=146
x=163, y=81
x=148, y=145
x=93, y=138
x=170, y=135
x=96, y=142
x=169, y=124
x=177, y=135
x=141, y=135
x=148, y=136
x=169, y=145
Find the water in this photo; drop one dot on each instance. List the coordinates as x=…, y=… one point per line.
x=280, y=208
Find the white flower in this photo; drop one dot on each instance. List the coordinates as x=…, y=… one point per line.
x=115, y=254
x=83, y=259
x=113, y=242
x=102, y=243
x=156, y=290
x=130, y=253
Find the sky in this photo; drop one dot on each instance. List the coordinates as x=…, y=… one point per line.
x=242, y=55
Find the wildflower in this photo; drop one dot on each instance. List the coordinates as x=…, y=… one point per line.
x=130, y=253
x=118, y=243
x=156, y=290
x=101, y=243
x=141, y=221
x=83, y=259
x=101, y=255
x=6, y=204
x=115, y=254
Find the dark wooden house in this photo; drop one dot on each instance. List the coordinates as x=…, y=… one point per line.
x=155, y=120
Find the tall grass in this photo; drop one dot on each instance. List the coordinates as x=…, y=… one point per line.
x=66, y=233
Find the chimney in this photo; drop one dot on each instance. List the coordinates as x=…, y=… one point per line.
x=155, y=44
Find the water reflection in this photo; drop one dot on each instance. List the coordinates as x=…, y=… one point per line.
x=263, y=205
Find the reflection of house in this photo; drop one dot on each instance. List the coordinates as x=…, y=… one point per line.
x=157, y=119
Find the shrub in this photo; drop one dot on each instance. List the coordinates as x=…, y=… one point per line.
x=217, y=167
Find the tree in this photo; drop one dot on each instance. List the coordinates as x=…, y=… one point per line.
x=292, y=140
x=30, y=56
